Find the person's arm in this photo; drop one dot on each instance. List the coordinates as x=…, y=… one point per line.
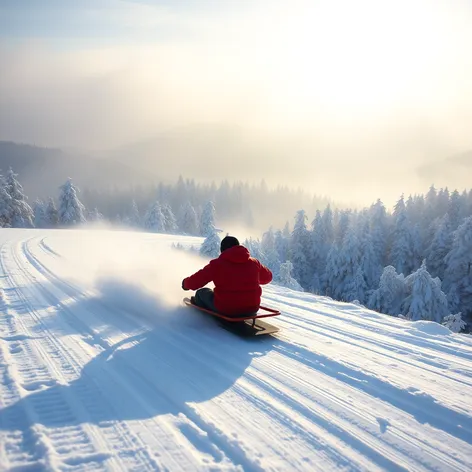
x=199, y=279
x=265, y=275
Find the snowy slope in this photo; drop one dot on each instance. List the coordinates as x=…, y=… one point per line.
x=102, y=369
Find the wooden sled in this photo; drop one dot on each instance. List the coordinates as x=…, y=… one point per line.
x=246, y=325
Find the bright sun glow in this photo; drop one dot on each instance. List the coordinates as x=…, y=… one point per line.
x=345, y=57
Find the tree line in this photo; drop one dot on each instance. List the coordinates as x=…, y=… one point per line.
x=414, y=262
x=249, y=205
x=68, y=210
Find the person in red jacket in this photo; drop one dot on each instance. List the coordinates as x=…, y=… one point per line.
x=237, y=278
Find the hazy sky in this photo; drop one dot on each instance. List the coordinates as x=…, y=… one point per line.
x=353, y=95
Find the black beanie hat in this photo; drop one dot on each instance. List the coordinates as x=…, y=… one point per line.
x=227, y=242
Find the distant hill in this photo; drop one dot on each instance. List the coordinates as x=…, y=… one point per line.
x=207, y=153
x=42, y=170
x=454, y=172
x=201, y=152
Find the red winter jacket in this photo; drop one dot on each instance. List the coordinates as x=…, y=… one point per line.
x=237, y=277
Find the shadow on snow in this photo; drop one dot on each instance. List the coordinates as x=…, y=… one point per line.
x=177, y=358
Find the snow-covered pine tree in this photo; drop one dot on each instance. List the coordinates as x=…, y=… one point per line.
x=286, y=231
x=425, y=299
x=284, y=277
x=332, y=273
x=455, y=210
x=336, y=215
x=169, y=218
x=327, y=227
x=431, y=218
x=321, y=241
x=135, y=217
x=254, y=247
x=416, y=208
x=270, y=255
x=422, y=219
x=51, y=216
x=410, y=209
x=95, y=215
x=300, y=250
x=431, y=207
x=188, y=221
x=454, y=323
x=464, y=211
x=356, y=288
x=281, y=245
x=5, y=221
x=389, y=297
x=417, y=246
x=442, y=201
x=402, y=251
x=39, y=210
x=342, y=226
x=207, y=220
x=378, y=224
x=154, y=220
x=71, y=211
x=370, y=262
x=350, y=284
x=211, y=245
x=5, y=199
x=21, y=214
x=440, y=246
x=316, y=230
x=458, y=273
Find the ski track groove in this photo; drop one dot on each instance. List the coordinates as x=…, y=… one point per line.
x=47, y=249
x=341, y=428
x=378, y=331
x=52, y=408
x=384, y=350
x=402, y=341
x=369, y=382
x=60, y=408
x=371, y=445
x=18, y=445
x=374, y=371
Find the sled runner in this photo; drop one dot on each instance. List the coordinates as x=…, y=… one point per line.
x=246, y=325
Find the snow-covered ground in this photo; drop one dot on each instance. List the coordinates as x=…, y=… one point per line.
x=101, y=368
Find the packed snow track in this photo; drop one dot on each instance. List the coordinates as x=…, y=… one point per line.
x=102, y=368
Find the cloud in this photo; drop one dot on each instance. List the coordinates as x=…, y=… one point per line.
x=323, y=99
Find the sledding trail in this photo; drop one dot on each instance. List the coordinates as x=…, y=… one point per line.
x=101, y=368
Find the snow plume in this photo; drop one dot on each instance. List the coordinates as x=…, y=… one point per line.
x=148, y=304
x=135, y=272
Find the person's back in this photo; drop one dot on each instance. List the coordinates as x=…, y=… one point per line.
x=237, y=277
